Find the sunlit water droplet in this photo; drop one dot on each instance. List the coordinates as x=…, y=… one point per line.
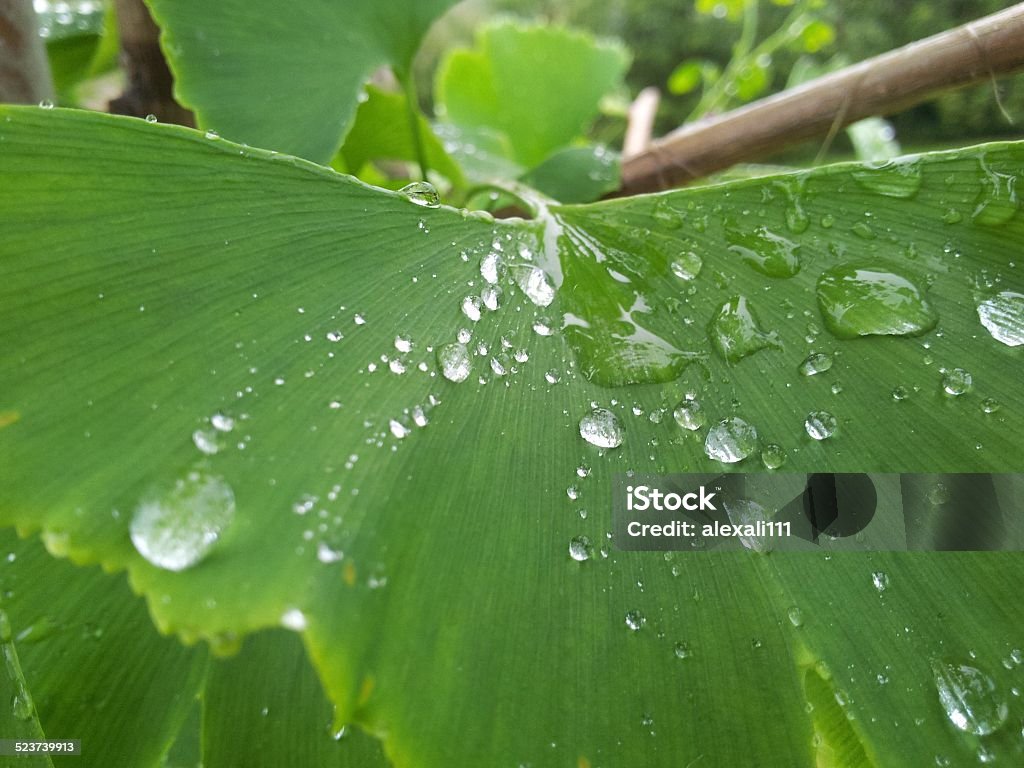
x=682, y=651
x=880, y=580
x=687, y=266
x=421, y=193
x=580, y=548
x=206, y=441
x=294, y=619
x=1003, y=317
x=471, y=308
x=492, y=267
x=455, y=361
x=820, y=425
x=815, y=363
x=957, y=382
x=731, y=440
x=222, y=423
x=862, y=300
x=601, y=427
x=635, y=620
x=735, y=332
x=177, y=529
x=969, y=698
x=535, y=283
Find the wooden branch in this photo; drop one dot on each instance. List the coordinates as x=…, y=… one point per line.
x=24, y=69
x=149, y=87
x=982, y=50
x=640, y=127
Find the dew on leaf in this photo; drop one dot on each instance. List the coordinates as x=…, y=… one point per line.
x=997, y=201
x=893, y=178
x=535, y=283
x=1003, y=317
x=970, y=698
x=820, y=425
x=687, y=266
x=796, y=616
x=990, y=405
x=635, y=620
x=957, y=382
x=206, y=441
x=735, y=332
x=580, y=548
x=601, y=427
x=421, y=193
x=731, y=440
x=862, y=300
x=689, y=414
x=175, y=530
x=773, y=456
x=880, y=580
x=769, y=253
x=815, y=363
x=682, y=650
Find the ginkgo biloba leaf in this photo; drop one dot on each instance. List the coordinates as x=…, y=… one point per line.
x=495, y=85
x=286, y=78
x=279, y=397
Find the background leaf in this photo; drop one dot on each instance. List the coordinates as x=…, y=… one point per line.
x=495, y=85
x=286, y=80
x=417, y=530
x=576, y=174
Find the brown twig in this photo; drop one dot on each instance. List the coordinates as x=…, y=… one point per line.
x=640, y=126
x=982, y=50
x=24, y=68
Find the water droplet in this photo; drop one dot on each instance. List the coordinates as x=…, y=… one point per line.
x=491, y=296
x=796, y=617
x=997, y=202
x=880, y=580
x=815, y=363
x=989, y=405
x=666, y=215
x=601, y=427
x=293, y=619
x=580, y=548
x=900, y=393
x=471, y=308
x=150, y=118
x=325, y=554
x=46, y=104
x=731, y=440
x=358, y=319
x=222, y=423
x=206, y=441
x=398, y=429
x=957, y=382
x=859, y=300
x=682, y=651
x=773, y=456
x=687, y=266
x=894, y=178
x=177, y=529
x=455, y=362
x=492, y=267
x=820, y=425
x=689, y=414
x=542, y=327
x=635, y=620
x=1003, y=317
x=535, y=283
x=212, y=135
x=735, y=332
x=863, y=231
x=403, y=344
x=770, y=254
x=969, y=698
x=21, y=703
x=421, y=193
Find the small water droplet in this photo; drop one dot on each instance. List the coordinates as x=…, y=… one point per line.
x=535, y=283
x=635, y=620
x=601, y=427
x=997, y=201
x=689, y=414
x=880, y=580
x=542, y=327
x=580, y=548
x=820, y=425
x=682, y=651
x=969, y=698
x=21, y=703
x=206, y=441
x=46, y=104
x=900, y=393
x=815, y=363
x=398, y=429
x=893, y=178
x=212, y=135
x=177, y=529
x=293, y=619
x=773, y=456
x=731, y=440
x=455, y=362
x=861, y=300
x=767, y=252
x=421, y=193
x=471, y=308
x=1003, y=317
x=150, y=118
x=957, y=382
x=796, y=616
x=687, y=266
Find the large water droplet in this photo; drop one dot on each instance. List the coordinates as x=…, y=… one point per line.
x=689, y=414
x=535, y=283
x=687, y=266
x=861, y=300
x=730, y=440
x=455, y=362
x=770, y=254
x=820, y=425
x=969, y=698
x=997, y=201
x=580, y=548
x=177, y=529
x=601, y=427
x=422, y=193
x=894, y=178
x=735, y=332
x=957, y=382
x=1003, y=317
x=815, y=363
